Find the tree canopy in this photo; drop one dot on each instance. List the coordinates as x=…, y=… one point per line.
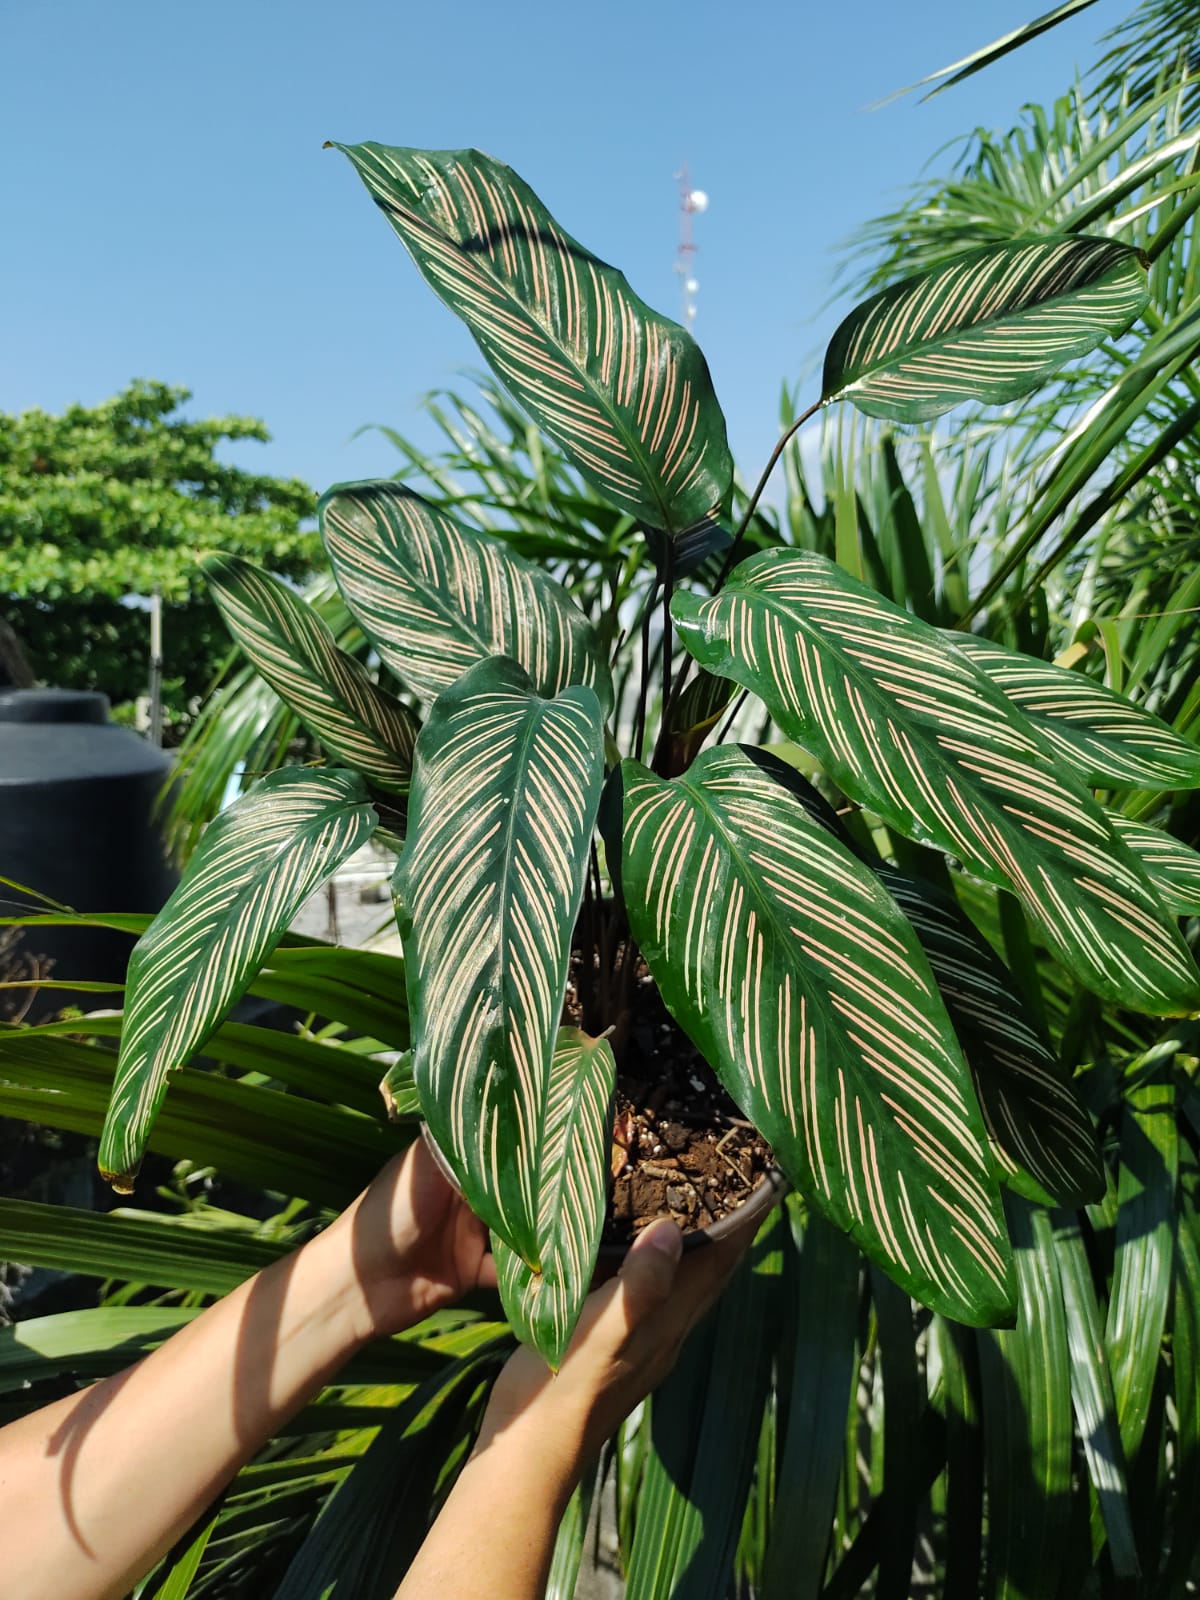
x=104, y=503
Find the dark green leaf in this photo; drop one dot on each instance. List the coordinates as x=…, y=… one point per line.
x=1100, y=735
x=436, y=596
x=504, y=798
x=623, y=392
x=258, y=863
x=989, y=325
x=906, y=726
x=794, y=974
x=331, y=693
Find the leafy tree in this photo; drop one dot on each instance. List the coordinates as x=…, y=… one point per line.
x=105, y=503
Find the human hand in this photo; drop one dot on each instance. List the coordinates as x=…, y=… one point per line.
x=412, y=1243
x=627, y=1341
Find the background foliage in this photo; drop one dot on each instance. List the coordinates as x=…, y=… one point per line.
x=106, y=502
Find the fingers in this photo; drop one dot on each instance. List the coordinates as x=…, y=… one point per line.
x=648, y=1272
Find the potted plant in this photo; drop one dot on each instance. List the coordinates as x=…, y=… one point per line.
x=863, y=1029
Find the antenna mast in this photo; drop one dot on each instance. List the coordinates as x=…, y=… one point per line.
x=692, y=203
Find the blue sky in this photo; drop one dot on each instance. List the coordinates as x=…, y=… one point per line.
x=168, y=211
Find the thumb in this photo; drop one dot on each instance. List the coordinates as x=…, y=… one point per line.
x=648, y=1271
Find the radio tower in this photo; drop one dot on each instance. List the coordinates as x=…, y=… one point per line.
x=692, y=203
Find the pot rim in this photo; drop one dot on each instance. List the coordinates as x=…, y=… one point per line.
x=766, y=1193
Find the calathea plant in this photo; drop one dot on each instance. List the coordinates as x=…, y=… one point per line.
x=853, y=1013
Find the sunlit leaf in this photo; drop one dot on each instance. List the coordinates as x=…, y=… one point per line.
x=544, y=1306
x=906, y=726
x=1102, y=736
x=990, y=325
x=504, y=796
x=293, y=649
x=435, y=596
x=789, y=967
x=623, y=392
x=256, y=866
x=1172, y=866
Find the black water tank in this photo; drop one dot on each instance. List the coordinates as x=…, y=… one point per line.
x=78, y=797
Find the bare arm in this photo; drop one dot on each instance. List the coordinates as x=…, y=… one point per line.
x=95, y=1488
x=495, y=1536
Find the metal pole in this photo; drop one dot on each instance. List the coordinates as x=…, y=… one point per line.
x=156, y=666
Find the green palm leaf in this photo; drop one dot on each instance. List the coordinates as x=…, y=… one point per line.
x=906, y=726
x=989, y=325
x=1100, y=735
x=623, y=392
x=435, y=596
x=786, y=963
x=1172, y=866
x=255, y=867
x=544, y=1306
x=1042, y=1136
x=291, y=647
x=503, y=800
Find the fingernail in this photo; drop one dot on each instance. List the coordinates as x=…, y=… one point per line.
x=664, y=1237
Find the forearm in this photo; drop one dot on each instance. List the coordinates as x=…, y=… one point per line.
x=494, y=1538
x=97, y=1487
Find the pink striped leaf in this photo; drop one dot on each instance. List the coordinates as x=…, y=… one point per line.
x=624, y=393
x=989, y=325
x=1097, y=733
x=785, y=961
x=256, y=865
x=543, y=1307
x=906, y=725
x=1172, y=866
x=504, y=795
x=435, y=595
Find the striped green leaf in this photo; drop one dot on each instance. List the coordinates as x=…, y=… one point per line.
x=291, y=647
x=623, y=392
x=906, y=726
x=784, y=960
x=1172, y=866
x=435, y=596
x=1041, y=1133
x=504, y=796
x=544, y=1306
x=255, y=867
x=398, y=1089
x=989, y=325
x=1100, y=735
x=694, y=715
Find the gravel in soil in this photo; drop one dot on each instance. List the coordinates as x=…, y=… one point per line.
x=681, y=1148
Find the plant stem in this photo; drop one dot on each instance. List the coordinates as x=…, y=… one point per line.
x=600, y=939
x=668, y=583
x=639, y=729
x=732, y=717
x=752, y=506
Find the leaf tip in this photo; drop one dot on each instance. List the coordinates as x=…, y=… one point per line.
x=120, y=1182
